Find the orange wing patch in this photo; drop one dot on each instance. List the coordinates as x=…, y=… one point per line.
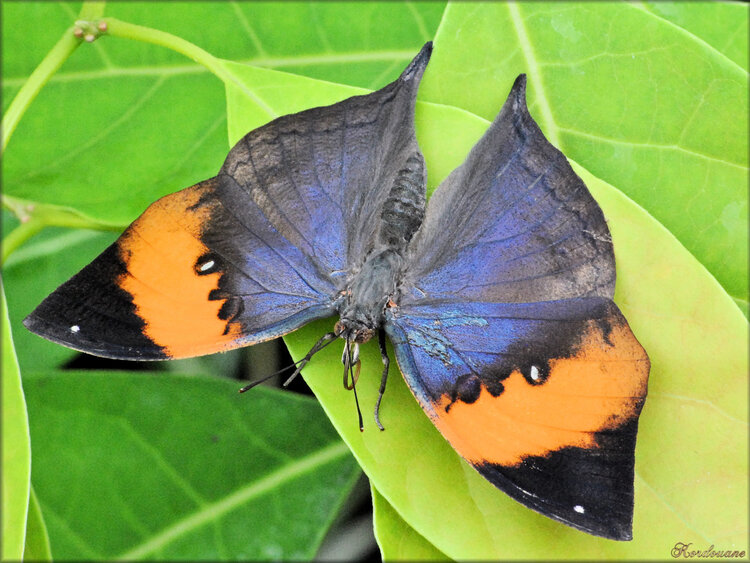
x=161, y=251
x=600, y=388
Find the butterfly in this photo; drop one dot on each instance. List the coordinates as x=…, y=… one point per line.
x=497, y=296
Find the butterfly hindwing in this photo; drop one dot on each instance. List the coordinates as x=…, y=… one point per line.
x=257, y=251
x=541, y=398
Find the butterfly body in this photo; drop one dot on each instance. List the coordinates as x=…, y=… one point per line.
x=376, y=283
x=496, y=295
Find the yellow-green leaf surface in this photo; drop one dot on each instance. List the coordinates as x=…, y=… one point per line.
x=16, y=446
x=37, y=540
x=646, y=105
x=397, y=540
x=723, y=26
x=688, y=324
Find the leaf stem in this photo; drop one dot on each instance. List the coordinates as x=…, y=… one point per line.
x=92, y=10
x=125, y=30
x=36, y=216
x=49, y=65
x=20, y=235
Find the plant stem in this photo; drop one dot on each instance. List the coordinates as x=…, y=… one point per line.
x=92, y=10
x=125, y=30
x=35, y=216
x=49, y=65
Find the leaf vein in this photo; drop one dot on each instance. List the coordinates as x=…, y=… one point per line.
x=217, y=509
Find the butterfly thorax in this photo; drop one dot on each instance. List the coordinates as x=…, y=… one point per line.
x=363, y=308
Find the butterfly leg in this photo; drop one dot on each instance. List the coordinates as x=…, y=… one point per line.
x=384, y=378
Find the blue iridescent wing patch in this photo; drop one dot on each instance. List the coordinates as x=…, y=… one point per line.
x=513, y=223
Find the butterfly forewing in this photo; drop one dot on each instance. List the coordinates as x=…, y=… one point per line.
x=188, y=277
x=254, y=253
x=513, y=223
x=321, y=176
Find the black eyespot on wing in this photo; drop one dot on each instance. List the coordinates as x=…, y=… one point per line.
x=467, y=388
x=495, y=386
x=231, y=309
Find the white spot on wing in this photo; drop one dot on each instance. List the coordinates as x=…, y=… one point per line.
x=534, y=374
x=579, y=509
x=207, y=265
x=75, y=328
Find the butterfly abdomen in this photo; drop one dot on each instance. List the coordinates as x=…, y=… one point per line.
x=403, y=209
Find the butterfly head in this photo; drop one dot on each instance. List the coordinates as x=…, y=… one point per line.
x=354, y=330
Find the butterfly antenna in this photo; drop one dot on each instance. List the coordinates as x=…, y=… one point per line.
x=319, y=345
x=324, y=341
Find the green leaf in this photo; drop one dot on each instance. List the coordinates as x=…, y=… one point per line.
x=16, y=446
x=723, y=26
x=641, y=103
x=37, y=541
x=397, y=540
x=162, y=114
x=338, y=41
x=141, y=467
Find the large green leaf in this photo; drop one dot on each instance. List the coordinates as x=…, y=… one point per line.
x=16, y=446
x=723, y=26
x=151, y=106
x=339, y=41
x=142, y=467
x=639, y=101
